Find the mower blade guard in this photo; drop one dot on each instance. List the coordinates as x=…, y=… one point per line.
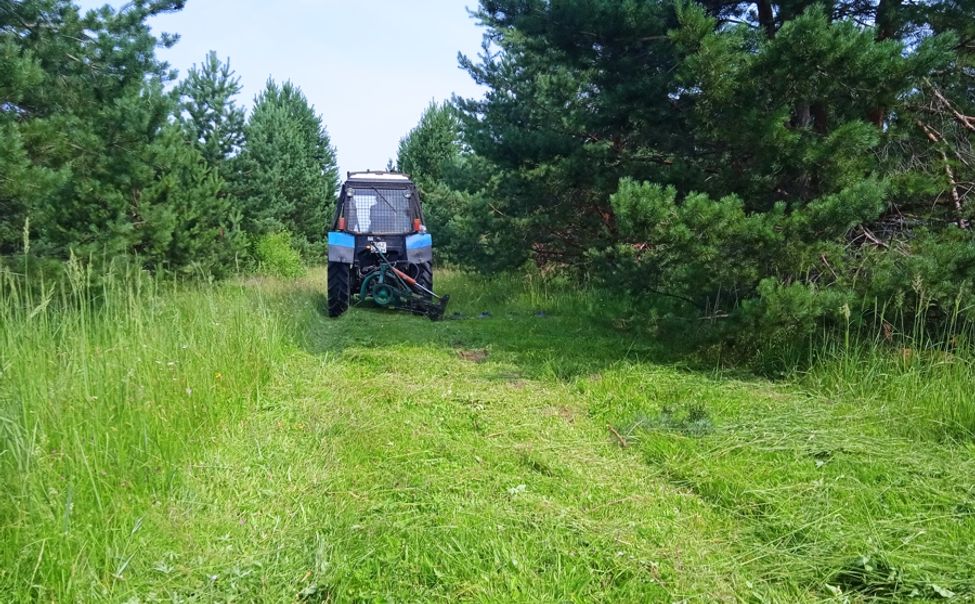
x=436, y=310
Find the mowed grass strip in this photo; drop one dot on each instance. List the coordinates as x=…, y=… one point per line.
x=408, y=473
x=829, y=498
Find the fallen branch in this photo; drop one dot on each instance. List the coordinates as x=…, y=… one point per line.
x=935, y=137
x=872, y=238
x=966, y=121
x=619, y=437
x=825, y=261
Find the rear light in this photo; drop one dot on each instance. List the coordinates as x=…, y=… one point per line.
x=341, y=223
x=416, y=225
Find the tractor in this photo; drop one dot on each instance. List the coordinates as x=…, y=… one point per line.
x=379, y=248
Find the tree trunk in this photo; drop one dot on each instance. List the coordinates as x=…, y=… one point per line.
x=820, y=120
x=766, y=17
x=938, y=139
x=802, y=117
x=885, y=21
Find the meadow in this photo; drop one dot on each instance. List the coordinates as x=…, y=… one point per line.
x=229, y=442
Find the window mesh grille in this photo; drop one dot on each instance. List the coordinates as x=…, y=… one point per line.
x=379, y=211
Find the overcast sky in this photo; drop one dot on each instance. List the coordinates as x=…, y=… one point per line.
x=369, y=67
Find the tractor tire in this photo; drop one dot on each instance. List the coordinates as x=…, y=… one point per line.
x=424, y=276
x=338, y=288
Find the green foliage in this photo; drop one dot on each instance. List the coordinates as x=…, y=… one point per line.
x=468, y=229
x=277, y=256
x=84, y=122
x=566, y=115
x=103, y=163
x=427, y=151
x=801, y=159
x=87, y=148
x=778, y=271
x=191, y=226
x=25, y=189
x=694, y=249
x=286, y=176
x=208, y=113
x=783, y=119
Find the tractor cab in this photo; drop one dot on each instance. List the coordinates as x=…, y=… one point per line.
x=379, y=204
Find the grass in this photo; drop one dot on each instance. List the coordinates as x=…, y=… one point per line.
x=106, y=391
x=930, y=384
x=230, y=443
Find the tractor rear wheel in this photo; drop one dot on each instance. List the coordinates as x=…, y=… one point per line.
x=424, y=276
x=338, y=288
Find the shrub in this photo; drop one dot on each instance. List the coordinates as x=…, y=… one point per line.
x=277, y=256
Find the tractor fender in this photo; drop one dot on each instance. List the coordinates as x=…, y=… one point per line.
x=341, y=247
x=419, y=248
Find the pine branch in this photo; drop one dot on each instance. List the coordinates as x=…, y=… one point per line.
x=935, y=137
x=967, y=121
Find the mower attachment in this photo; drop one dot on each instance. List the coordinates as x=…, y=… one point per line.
x=392, y=288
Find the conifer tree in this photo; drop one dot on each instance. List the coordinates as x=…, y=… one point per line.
x=456, y=189
x=22, y=187
x=208, y=113
x=195, y=228
x=85, y=101
x=87, y=150
x=429, y=148
x=286, y=175
x=786, y=155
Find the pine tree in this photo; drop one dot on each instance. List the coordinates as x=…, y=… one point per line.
x=429, y=148
x=88, y=101
x=17, y=73
x=24, y=186
x=771, y=136
x=87, y=149
x=577, y=98
x=195, y=227
x=286, y=176
x=208, y=113
x=456, y=186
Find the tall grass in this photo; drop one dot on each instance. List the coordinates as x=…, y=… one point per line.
x=921, y=378
x=107, y=386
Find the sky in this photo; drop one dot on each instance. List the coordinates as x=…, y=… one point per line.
x=369, y=67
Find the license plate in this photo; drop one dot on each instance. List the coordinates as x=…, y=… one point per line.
x=380, y=246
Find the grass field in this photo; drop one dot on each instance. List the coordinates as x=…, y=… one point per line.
x=230, y=443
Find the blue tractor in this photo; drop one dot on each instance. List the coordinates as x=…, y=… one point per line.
x=379, y=248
